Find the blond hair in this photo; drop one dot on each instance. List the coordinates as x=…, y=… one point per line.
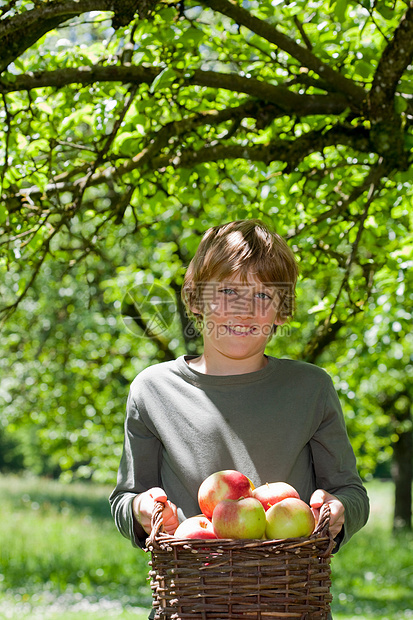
x=242, y=248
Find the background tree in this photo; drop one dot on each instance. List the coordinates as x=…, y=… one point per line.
x=130, y=127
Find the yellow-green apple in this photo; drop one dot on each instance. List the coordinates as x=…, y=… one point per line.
x=239, y=518
x=225, y=484
x=195, y=527
x=272, y=492
x=290, y=518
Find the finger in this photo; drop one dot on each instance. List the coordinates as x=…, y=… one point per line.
x=336, y=514
x=336, y=527
x=169, y=513
x=318, y=498
x=171, y=529
x=337, y=517
x=158, y=494
x=170, y=518
x=141, y=511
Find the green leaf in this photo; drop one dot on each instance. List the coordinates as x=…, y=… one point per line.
x=191, y=36
x=163, y=80
x=129, y=144
x=400, y=104
x=43, y=105
x=405, y=87
x=340, y=10
x=9, y=78
x=364, y=69
x=385, y=11
x=408, y=141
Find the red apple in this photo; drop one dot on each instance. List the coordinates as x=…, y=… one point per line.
x=195, y=527
x=239, y=518
x=225, y=484
x=290, y=518
x=273, y=492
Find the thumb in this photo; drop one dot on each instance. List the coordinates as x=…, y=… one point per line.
x=158, y=494
x=318, y=498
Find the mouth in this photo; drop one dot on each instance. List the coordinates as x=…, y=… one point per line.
x=240, y=330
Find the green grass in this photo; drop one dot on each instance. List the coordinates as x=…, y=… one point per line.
x=61, y=557
x=61, y=551
x=373, y=575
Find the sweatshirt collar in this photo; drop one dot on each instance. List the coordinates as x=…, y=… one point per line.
x=200, y=378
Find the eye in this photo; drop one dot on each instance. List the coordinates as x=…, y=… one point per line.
x=227, y=291
x=262, y=295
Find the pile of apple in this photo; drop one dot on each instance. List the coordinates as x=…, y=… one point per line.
x=233, y=508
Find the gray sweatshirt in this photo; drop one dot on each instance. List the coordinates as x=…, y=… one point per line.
x=281, y=423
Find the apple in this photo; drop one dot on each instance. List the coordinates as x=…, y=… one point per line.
x=195, y=527
x=225, y=484
x=272, y=492
x=289, y=518
x=239, y=518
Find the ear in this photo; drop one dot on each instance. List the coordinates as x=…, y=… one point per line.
x=195, y=309
x=190, y=302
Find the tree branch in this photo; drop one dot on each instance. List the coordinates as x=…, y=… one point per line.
x=249, y=109
x=291, y=102
x=387, y=132
x=282, y=97
x=289, y=152
x=81, y=188
x=327, y=330
x=393, y=62
x=129, y=309
x=241, y=16
x=252, y=109
x=377, y=172
x=21, y=31
x=7, y=311
x=323, y=336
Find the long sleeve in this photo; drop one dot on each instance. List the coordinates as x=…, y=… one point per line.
x=335, y=465
x=138, y=470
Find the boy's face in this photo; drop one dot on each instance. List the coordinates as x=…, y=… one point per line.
x=238, y=317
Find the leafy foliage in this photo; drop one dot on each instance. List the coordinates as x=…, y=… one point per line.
x=130, y=127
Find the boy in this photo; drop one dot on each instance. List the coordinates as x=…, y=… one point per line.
x=233, y=407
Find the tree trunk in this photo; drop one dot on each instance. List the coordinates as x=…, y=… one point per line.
x=402, y=467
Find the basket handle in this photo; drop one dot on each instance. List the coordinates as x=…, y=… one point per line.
x=156, y=522
x=323, y=520
x=323, y=528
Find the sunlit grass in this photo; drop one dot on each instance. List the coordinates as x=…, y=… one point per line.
x=61, y=550
x=62, y=558
x=373, y=574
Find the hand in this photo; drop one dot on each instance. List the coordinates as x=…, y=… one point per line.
x=143, y=507
x=321, y=497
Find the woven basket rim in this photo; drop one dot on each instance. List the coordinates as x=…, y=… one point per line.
x=158, y=539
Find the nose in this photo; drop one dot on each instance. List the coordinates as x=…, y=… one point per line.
x=244, y=307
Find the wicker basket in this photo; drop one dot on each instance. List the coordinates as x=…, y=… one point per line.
x=229, y=579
